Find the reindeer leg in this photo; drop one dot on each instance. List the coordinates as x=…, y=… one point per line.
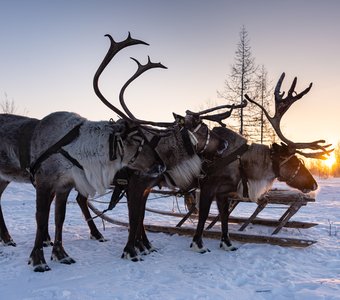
x=95, y=233
x=223, y=208
x=5, y=237
x=135, y=191
x=47, y=239
x=143, y=243
x=204, y=208
x=37, y=258
x=147, y=247
x=58, y=252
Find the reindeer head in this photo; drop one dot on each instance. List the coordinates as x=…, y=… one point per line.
x=208, y=143
x=286, y=165
x=290, y=169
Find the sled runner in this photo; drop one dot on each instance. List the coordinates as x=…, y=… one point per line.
x=287, y=200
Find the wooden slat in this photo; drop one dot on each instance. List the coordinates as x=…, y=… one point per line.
x=232, y=219
x=275, y=196
x=241, y=237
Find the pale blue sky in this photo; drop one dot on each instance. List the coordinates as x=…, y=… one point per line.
x=50, y=51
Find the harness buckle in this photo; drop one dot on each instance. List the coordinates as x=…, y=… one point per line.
x=121, y=181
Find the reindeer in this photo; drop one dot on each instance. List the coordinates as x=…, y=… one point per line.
x=68, y=151
x=16, y=132
x=250, y=170
x=139, y=185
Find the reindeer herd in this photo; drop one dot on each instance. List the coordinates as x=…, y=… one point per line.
x=64, y=151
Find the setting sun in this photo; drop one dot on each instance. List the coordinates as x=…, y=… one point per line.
x=329, y=162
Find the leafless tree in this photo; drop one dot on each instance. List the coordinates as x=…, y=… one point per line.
x=7, y=106
x=241, y=79
x=263, y=131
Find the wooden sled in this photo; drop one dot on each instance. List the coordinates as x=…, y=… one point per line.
x=292, y=200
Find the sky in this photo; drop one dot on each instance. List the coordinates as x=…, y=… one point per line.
x=50, y=51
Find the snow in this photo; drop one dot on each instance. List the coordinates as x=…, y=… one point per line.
x=254, y=271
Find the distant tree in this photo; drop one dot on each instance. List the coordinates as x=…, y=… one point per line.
x=7, y=106
x=241, y=80
x=317, y=167
x=263, y=131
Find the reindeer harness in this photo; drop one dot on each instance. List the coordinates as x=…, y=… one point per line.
x=207, y=139
x=277, y=164
x=115, y=145
x=226, y=160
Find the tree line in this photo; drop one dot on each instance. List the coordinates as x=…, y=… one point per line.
x=246, y=77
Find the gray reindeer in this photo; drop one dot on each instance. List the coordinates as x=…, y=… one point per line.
x=250, y=170
x=16, y=132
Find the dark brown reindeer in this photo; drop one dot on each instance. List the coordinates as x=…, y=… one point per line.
x=90, y=161
x=16, y=132
x=250, y=170
x=208, y=146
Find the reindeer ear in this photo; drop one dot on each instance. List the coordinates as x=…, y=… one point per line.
x=282, y=149
x=285, y=147
x=179, y=119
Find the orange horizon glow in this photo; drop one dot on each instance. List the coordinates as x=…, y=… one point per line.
x=330, y=161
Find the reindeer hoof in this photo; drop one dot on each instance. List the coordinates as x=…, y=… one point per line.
x=152, y=249
x=59, y=254
x=42, y=268
x=38, y=261
x=7, y=240
x=65, y=260
x=145, y=249
x=194, y=247
x=10, y=243
x=227, y=247
x=135, y=258
x=98, y=238
x=47, y=243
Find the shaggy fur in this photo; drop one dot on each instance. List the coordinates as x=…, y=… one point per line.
x=184, y=172
x=181, y=166
x=258, y=167
x=90, y=149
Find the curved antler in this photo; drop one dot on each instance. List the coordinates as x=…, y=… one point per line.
x=140, y=70
x=220, y=116
x=115, y=47
x=281, y=106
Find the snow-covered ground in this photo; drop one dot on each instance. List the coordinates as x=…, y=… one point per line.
x=254, y=271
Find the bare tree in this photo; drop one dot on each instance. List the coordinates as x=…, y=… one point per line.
x=241, y=79
x=264, y=132
x=7, y=106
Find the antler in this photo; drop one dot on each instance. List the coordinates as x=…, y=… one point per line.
x=218, y=117
x=113, y=50
x=281, y=106
x=140, y=70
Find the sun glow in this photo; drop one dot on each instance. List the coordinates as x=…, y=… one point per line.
x=330, y=161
